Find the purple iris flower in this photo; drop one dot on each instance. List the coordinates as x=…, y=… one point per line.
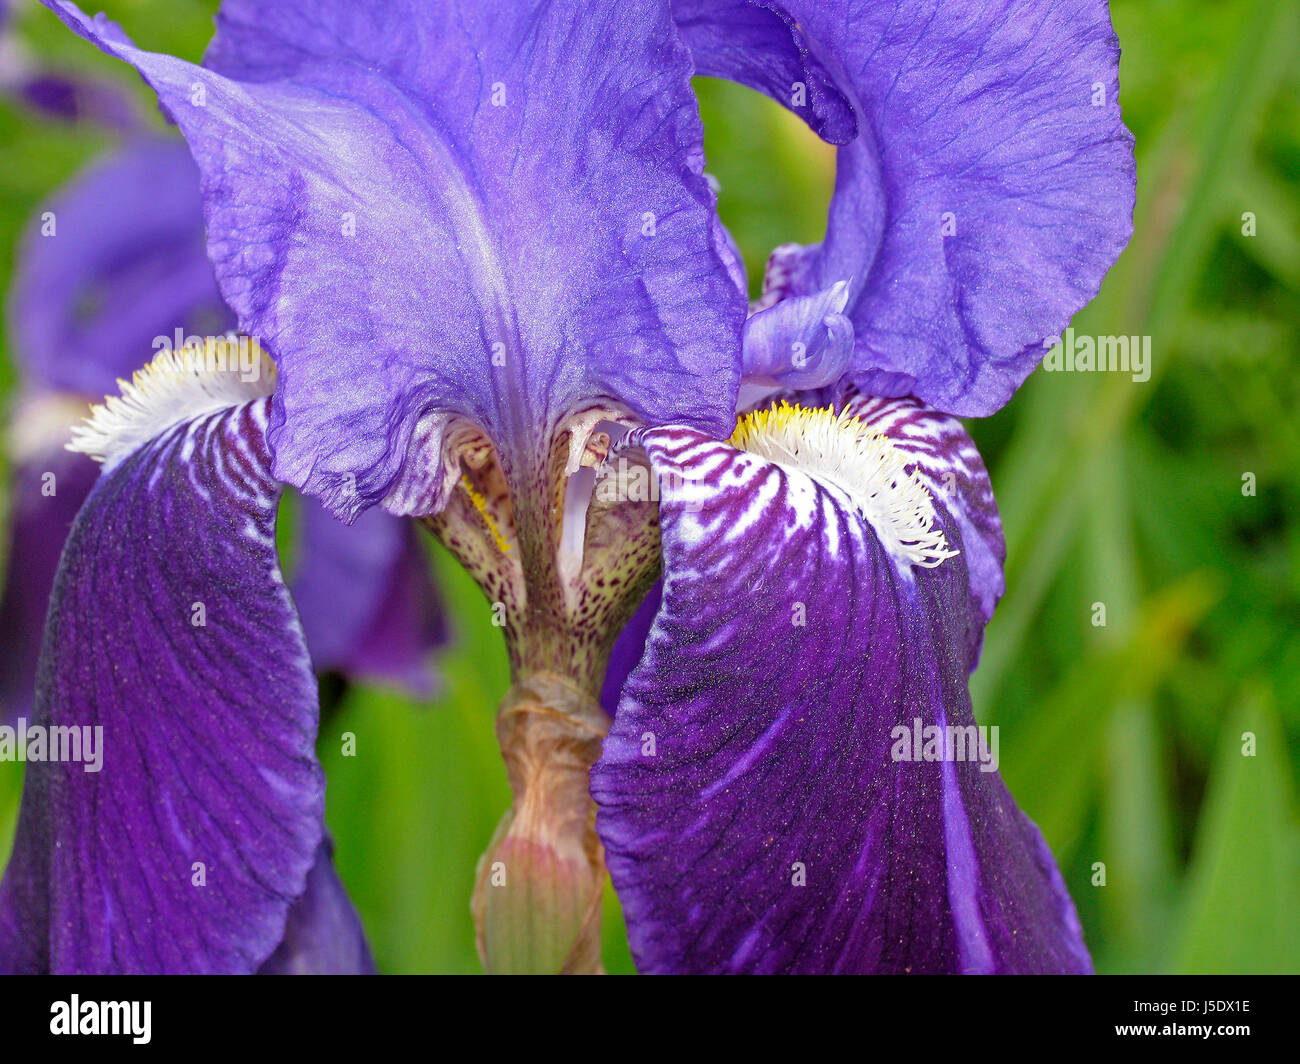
x=479, y=242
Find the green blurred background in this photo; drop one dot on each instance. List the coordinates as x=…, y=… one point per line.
x=1123, y=742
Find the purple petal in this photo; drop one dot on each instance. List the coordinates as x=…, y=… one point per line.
x=629, y=648
x=368, y=604
x=412, y=252
x=988, y=192
x=753, y=815
x=171, y=629
x=124, y=264
x=323, y=935
x=47, y=490
x=802, y=342
x=762, y=45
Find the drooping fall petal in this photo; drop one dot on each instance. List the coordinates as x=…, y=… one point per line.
x=756, y=807
x=173, y=650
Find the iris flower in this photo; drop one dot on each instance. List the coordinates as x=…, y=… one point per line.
x=478, y=240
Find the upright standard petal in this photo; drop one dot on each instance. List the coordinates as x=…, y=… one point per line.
x=989, y=189
x=416, y=211
x=758, y=807
x=761, y=44
x=172, y=807
x=111, y=264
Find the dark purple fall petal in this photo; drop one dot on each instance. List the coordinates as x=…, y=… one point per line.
x=368, y=604
x=422, y=218
x=752, y=815
x=171, y=629
x=122, y=265
x=323, y=935
x=989, y=189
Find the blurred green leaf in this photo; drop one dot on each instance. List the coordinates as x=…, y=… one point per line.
x=11, y=787
x=1050, y=760
x=616, y=954
x=1241, y=896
